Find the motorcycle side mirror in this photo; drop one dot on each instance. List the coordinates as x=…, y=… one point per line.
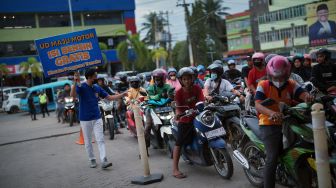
x=268, y=102
x=143, y=93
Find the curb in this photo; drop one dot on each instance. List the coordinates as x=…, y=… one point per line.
x=39, y=138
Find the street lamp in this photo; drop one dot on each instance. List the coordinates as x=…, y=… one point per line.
x=210, y=43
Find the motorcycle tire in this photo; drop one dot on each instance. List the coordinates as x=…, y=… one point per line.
x=223, y=156
x=236, y=135
x=307, y=176
x=170, y=143
x=253, y=177
x=110, y=124
x=71, y=119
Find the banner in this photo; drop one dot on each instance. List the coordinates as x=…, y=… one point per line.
x=321, y=22
x=69, y=52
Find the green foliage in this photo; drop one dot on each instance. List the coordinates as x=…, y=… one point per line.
x=180, y=55
x=31, y=66
x=139, y=48
x=102, y=46
x=148, y=26
x=159, y=54
x=3, y=69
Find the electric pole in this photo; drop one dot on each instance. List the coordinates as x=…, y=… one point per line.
x=185, y=5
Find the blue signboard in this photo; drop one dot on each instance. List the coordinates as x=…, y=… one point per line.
x=69, y=52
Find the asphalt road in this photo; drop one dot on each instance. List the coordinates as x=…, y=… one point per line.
x=59, y=162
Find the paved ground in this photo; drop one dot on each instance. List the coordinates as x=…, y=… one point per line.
x=59, y=162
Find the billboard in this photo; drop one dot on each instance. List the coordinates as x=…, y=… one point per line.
x=321, y=21
x=69, y=52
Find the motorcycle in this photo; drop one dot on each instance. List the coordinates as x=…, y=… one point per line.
x=70, y=110
x=107, y=112
x=208, y=146
x=296, y=166
x=130, y=115
x=228, y=112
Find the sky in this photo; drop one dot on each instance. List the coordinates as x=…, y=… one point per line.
x=176, y=16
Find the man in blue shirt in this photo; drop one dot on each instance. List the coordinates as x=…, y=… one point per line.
x=89, y=114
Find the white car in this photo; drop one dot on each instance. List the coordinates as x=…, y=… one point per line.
x=11, y=104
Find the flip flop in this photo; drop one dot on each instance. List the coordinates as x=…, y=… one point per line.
x=180, y=176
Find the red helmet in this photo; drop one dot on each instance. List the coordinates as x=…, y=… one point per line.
x=159, y=73
x=258, y=55
x=278, y=67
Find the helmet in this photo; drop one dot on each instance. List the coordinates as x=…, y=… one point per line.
x=194, y=69
x=201, y=68
x=217, y=62
x=258, y=55
x=278, y=66
x=290, y=59
x=172, y=70
x=216, y=68
x=269, y=57
x=134, y=79
x=231, y=62
x=159, y=73
x=299, y=57
x=185, y=71
x=307, y=56
x=123, y=77
x=324, y=51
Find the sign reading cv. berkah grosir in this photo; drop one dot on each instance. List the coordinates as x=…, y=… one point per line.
x=69, y=52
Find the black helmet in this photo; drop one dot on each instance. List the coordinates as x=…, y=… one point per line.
x=325, y=52
x=123, y=77
x=134, y=79
x=300, y=57
x=216, y=67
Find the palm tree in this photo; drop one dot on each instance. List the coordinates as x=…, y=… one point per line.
x=33, y=67
x=154, y=23
x=132, y=51
x=159, y=54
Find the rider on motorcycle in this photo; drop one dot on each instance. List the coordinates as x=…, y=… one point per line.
x=121, y=107
x=101, y=83
x=159, y=90
x=324, y=73
x=281, y=89
x=232, y=73
x=172, y=81
x=186, y=98
x=258, y=71
x=134, y=93
x=197, y=81
x=201, y=72
x=218, y=85
x=60, y=101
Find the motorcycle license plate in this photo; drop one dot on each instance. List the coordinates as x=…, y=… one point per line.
x=215, y=133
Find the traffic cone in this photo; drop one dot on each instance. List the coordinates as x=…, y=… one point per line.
x=80, y=140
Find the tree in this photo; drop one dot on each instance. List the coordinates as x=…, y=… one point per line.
x=180, y=55
x=132, y=52
x=154, y=22
x=33, y=67
x=159, y=54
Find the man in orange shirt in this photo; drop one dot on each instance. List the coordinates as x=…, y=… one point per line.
x=281, y=89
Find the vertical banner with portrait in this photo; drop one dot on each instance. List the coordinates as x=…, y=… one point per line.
x=321, y=21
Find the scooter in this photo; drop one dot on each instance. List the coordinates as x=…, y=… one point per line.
x=130, y=116
x=106, y=107
x=70, y=110
x=296, y=166
x=208, y=146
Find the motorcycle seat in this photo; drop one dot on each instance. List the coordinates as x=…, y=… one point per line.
x=253, y=124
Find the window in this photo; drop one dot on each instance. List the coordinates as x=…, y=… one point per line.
x=58, y=20
x=103, y=18
x=283, y=14
x=17, y=21
x=8, y=49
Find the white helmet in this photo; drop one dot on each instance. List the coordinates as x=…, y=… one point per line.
x=231, y=62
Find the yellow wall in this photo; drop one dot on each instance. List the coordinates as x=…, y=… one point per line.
x=281, y=4
x=280, y=44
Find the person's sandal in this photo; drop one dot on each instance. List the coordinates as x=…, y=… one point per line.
x=180, y=176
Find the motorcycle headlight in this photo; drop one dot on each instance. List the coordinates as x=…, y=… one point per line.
x=68, y=100
x=208, y=118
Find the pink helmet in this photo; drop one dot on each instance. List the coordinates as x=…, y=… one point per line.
x=159, y=73
x=258, y=55
x=307, y=56
x=278, y=66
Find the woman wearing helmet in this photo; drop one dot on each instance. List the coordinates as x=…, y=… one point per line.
x=298, y=67
x=172, y=80
x=324, y=73
x=258, y=71
x=201, y=72
x=232, y=73
x=215, y=84
x=186, y=98
x=278, y=87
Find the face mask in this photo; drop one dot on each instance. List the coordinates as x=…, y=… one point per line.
x=257, y=63
x=135, y=85
x=213, y=76
x=278, y=84
x=173, y=77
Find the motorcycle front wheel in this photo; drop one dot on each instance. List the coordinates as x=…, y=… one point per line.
x=254, y=157
x=71, y=118
x=110, y=124
x=224, y=167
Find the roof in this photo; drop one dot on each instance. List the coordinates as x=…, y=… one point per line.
x=52, y=84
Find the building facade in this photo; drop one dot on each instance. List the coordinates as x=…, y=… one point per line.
x=239, y=34
x=21, y=22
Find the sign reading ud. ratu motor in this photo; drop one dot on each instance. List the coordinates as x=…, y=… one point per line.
x=69, y=52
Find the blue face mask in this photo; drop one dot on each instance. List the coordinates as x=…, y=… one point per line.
x=213, y=76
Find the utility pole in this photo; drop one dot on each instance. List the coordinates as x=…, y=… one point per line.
x=169, y=38
x=71, y=17
x=185, y=5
